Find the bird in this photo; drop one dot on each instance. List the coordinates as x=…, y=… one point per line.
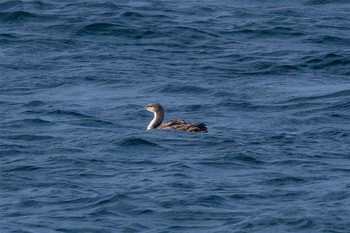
x=176, y=124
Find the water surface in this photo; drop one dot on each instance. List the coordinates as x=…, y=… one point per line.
x=270, y=79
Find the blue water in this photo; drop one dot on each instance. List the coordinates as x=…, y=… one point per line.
x=271, y=80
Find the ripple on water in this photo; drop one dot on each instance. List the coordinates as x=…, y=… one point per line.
x=34, y=103
x=17, y=16
x=30, y=123
x=136, y=142
x=29, y=137
x=180, y=89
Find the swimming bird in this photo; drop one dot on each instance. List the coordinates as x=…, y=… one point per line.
x=176, y=124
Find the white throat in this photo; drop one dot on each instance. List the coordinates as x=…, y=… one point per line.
x=157, y=120
x=153, y=122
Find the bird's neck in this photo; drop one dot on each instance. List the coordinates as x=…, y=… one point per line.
x=157, y=120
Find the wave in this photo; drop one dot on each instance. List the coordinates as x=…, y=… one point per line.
x=34, y=103
x=96, y=28
x=329, y=39
x=180, y=89
x=110, y=29
x=210, y=200
x=72, y=113
x=29, y=137
x=23, y=16
x=343, y=93
x=287, y=180
x=129, y=30
x=80, y=119
x=321, y=2
x=16, y=16
x=15, y=4
x=23, y=168
x=29, y=122
x=135, y=141
x=9, y=37
x=277, y=31
x=337, y=62
x=327, y=132
x=91, y=123
x=132, y=15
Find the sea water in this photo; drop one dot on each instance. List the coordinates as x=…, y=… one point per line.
x=270, y=79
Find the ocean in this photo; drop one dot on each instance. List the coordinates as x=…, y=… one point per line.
x=270, y=79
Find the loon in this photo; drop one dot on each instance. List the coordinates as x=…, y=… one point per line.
x=176, y=124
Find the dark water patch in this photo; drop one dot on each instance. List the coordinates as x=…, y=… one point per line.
x=68, y=113
x=321, y=2
x=91, y=123
x=328, y=39
x=282, y=31
x=343, y=106
x=301, y=223
x=10, y=4
x=248, y=159
x=223, y=93
x=287, y=180
x=273, y=32
x=8, y=38
x=19, y=16
x=340, y=116
x=282, y=138
x=331, y=113
x=285, y=12
x=222, y=164
x=335, y=196
x=117, y=30
x=98, y=28
x=135, y=142
x=5, y=145
x=34, y=103
x=132, y=15
x=240, y=105
x=327, y=61
x=299, y=162
x=181, y=185
x=327, y=132
x=195, y=107
x=177, y=175
x=298, y=106
x=18, y=5
x=16, y=16
x=181, y=89
x=210, y=200
x=92, y=5
x=229, y=159
x=192, y=33
x=69, y=151
x=29, y=137
x=340, y=170
x=10, y=152
x=22, y=168
x=112, y=199
x=342, y=93
x=37, y=122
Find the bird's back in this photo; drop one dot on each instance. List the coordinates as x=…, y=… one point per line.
x=179, y=124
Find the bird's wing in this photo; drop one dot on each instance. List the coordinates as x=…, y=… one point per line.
x=179, y=124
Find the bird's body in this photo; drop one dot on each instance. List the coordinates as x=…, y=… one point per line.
x=176, y=124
